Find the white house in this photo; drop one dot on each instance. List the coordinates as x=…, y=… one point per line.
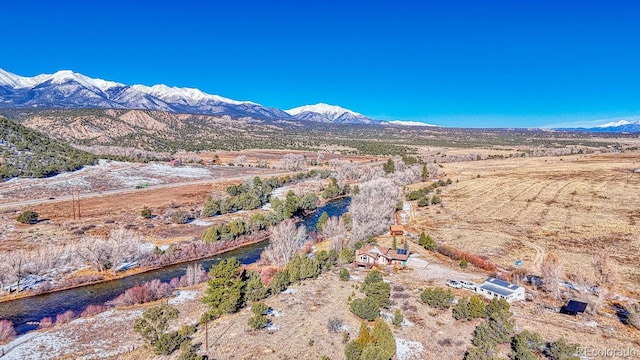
x=492, y=288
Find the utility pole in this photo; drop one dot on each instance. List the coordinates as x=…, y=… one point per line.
x=73, y=204
x=79, y=217
x=75, y=193
x=206, y=334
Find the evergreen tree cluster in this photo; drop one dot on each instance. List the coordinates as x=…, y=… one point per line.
x=229, y=287
x=377, y=294
x=153, y=325
x=422, y=194
x=375, y=344
x=439, y=298
x=469, y=308
x=427, y=242
x=27, y=153
x=334, y=190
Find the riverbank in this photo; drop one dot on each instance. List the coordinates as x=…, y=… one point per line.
x=132, y=272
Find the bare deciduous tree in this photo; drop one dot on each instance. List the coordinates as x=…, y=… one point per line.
x=335, y=230
x=123, y=245
x=195, y=274
x=94, y=252
x=372, y=210
x=286, y=239
x=606, y=271
x=241, y=160
x=408, y=175
x=433, y=170
x=551, y=272
x=102, y=253
x=292, y=162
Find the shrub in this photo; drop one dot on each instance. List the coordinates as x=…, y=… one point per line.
x=457, y=254
x=46, y=322
x=423, y=201
x=279, y=283
x=426, y=242
x=188, y=351
x=352, y=351
x=257, y=322
x=65, y=317
x=461, y=311
x=7, y=332
x=437, y=297
x=435, y=199
x=180, y=217
x=347, y=255
x=397, y=318
x=152, y=327
x=334, y=324
x=259, y=308
x=379, y=291
x=476, y=307
x=561, y=350
x=524, y=344
x=464, y=263
x=28, y=217
x=366, y=308
x=345, y=337
x=94, y=309
x=344, y=274
x=146, y=212
x=142, y=293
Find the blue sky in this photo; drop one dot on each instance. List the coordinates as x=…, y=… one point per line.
x=453, y=63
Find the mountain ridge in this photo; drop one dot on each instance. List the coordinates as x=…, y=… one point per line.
x=66, y=89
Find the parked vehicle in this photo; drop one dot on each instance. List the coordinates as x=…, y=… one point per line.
x=454, y=284
x=533, y=280
x=468, y=284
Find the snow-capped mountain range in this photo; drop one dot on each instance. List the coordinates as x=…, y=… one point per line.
x=620, y=126
x=69, y=90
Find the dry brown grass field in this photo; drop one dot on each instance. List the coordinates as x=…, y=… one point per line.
x=522, y=208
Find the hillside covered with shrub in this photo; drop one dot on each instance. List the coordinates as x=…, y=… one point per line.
x=28, y=153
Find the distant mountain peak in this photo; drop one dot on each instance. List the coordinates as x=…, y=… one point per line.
x=410, y=123
x=619, y=123
x=332, y=112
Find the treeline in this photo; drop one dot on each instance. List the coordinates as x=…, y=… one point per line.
x=27, y=153
x=292, y=206
x=422, y=194
x=230, y=287
x=251, y=196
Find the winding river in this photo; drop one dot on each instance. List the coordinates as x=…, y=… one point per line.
x=26, y=312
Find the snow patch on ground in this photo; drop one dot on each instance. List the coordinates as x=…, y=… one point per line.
x=54, y=343
x=408, y=349
x=183, y=295
x=406, y=323
x=290, y=291
x=199, y=222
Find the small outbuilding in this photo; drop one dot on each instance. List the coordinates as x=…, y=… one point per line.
x=574, y=308
x=396, y=230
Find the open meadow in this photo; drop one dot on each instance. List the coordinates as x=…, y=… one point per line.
x=523, y=208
